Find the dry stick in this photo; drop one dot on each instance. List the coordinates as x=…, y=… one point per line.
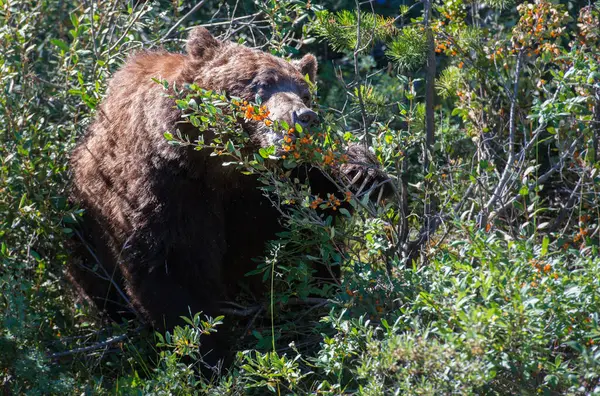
x=227, y=22
x=109, y=23
x=407, y=12
x=430, y=228
x=106, y=274
x=403, y=230
x=569, y=206
x=541, y=180
x=133, y=21
x=511, y=147
x=430, y=224
x=361, y=102
x=534, y=138
x=49, y=83
x=96, y=346
x=93, y=31
x=596, y=125
x=181, y=20
x=429, y=89
x=242, y=311
x=250, y=25
x=231, y=17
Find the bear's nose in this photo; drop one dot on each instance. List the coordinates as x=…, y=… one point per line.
x=304, y=117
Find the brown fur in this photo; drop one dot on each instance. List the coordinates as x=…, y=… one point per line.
x=173, y=227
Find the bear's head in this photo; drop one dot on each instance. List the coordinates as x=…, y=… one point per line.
x=250, y=73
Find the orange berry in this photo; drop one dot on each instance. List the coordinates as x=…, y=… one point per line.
x=547, y=268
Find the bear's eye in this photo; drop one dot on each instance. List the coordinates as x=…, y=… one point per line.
x=305, y=98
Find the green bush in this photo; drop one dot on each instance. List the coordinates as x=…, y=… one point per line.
x=478, y=276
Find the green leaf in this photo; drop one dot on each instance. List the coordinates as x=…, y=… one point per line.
x=74, y=20
x=230, y=147
x=551, y=380
x=545, y=243
x=187, y=320
x=22, y=201
x=60, y=44
x=263, y=152
x=289, y=164
x=524, y=191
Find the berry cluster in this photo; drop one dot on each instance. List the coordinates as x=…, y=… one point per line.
x=539, y=27
x=255, y=113
x=542, y=268
x=306, y=147
x=332, y=201
x=588, y=23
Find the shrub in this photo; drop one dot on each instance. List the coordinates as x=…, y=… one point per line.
x=478, y=276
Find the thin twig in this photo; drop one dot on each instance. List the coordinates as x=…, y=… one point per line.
x=259, y=308
x=361, y=102
x=430, y=200
x=94, y=347
x=511, y=146
x=126, y=31
x=568, y=207
x=540, y=180
x=181, y=20
x=596, y=125
x=228, y=21
x=106, y=274
x=109, y=23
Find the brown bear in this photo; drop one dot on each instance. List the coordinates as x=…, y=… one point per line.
x=172, y=229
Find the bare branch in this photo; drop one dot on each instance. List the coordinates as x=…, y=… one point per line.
x=255, y=310
x=361, y=102
x=511, y=147
x=181, y=20
x=430, y=201
x=99, y=345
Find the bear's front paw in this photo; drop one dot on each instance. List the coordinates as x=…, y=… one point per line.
x=362, y=174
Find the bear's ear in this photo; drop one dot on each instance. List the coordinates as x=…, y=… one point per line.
x=307, y=65
x=201, y=43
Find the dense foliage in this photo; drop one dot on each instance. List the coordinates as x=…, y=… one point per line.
x=478, y=275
